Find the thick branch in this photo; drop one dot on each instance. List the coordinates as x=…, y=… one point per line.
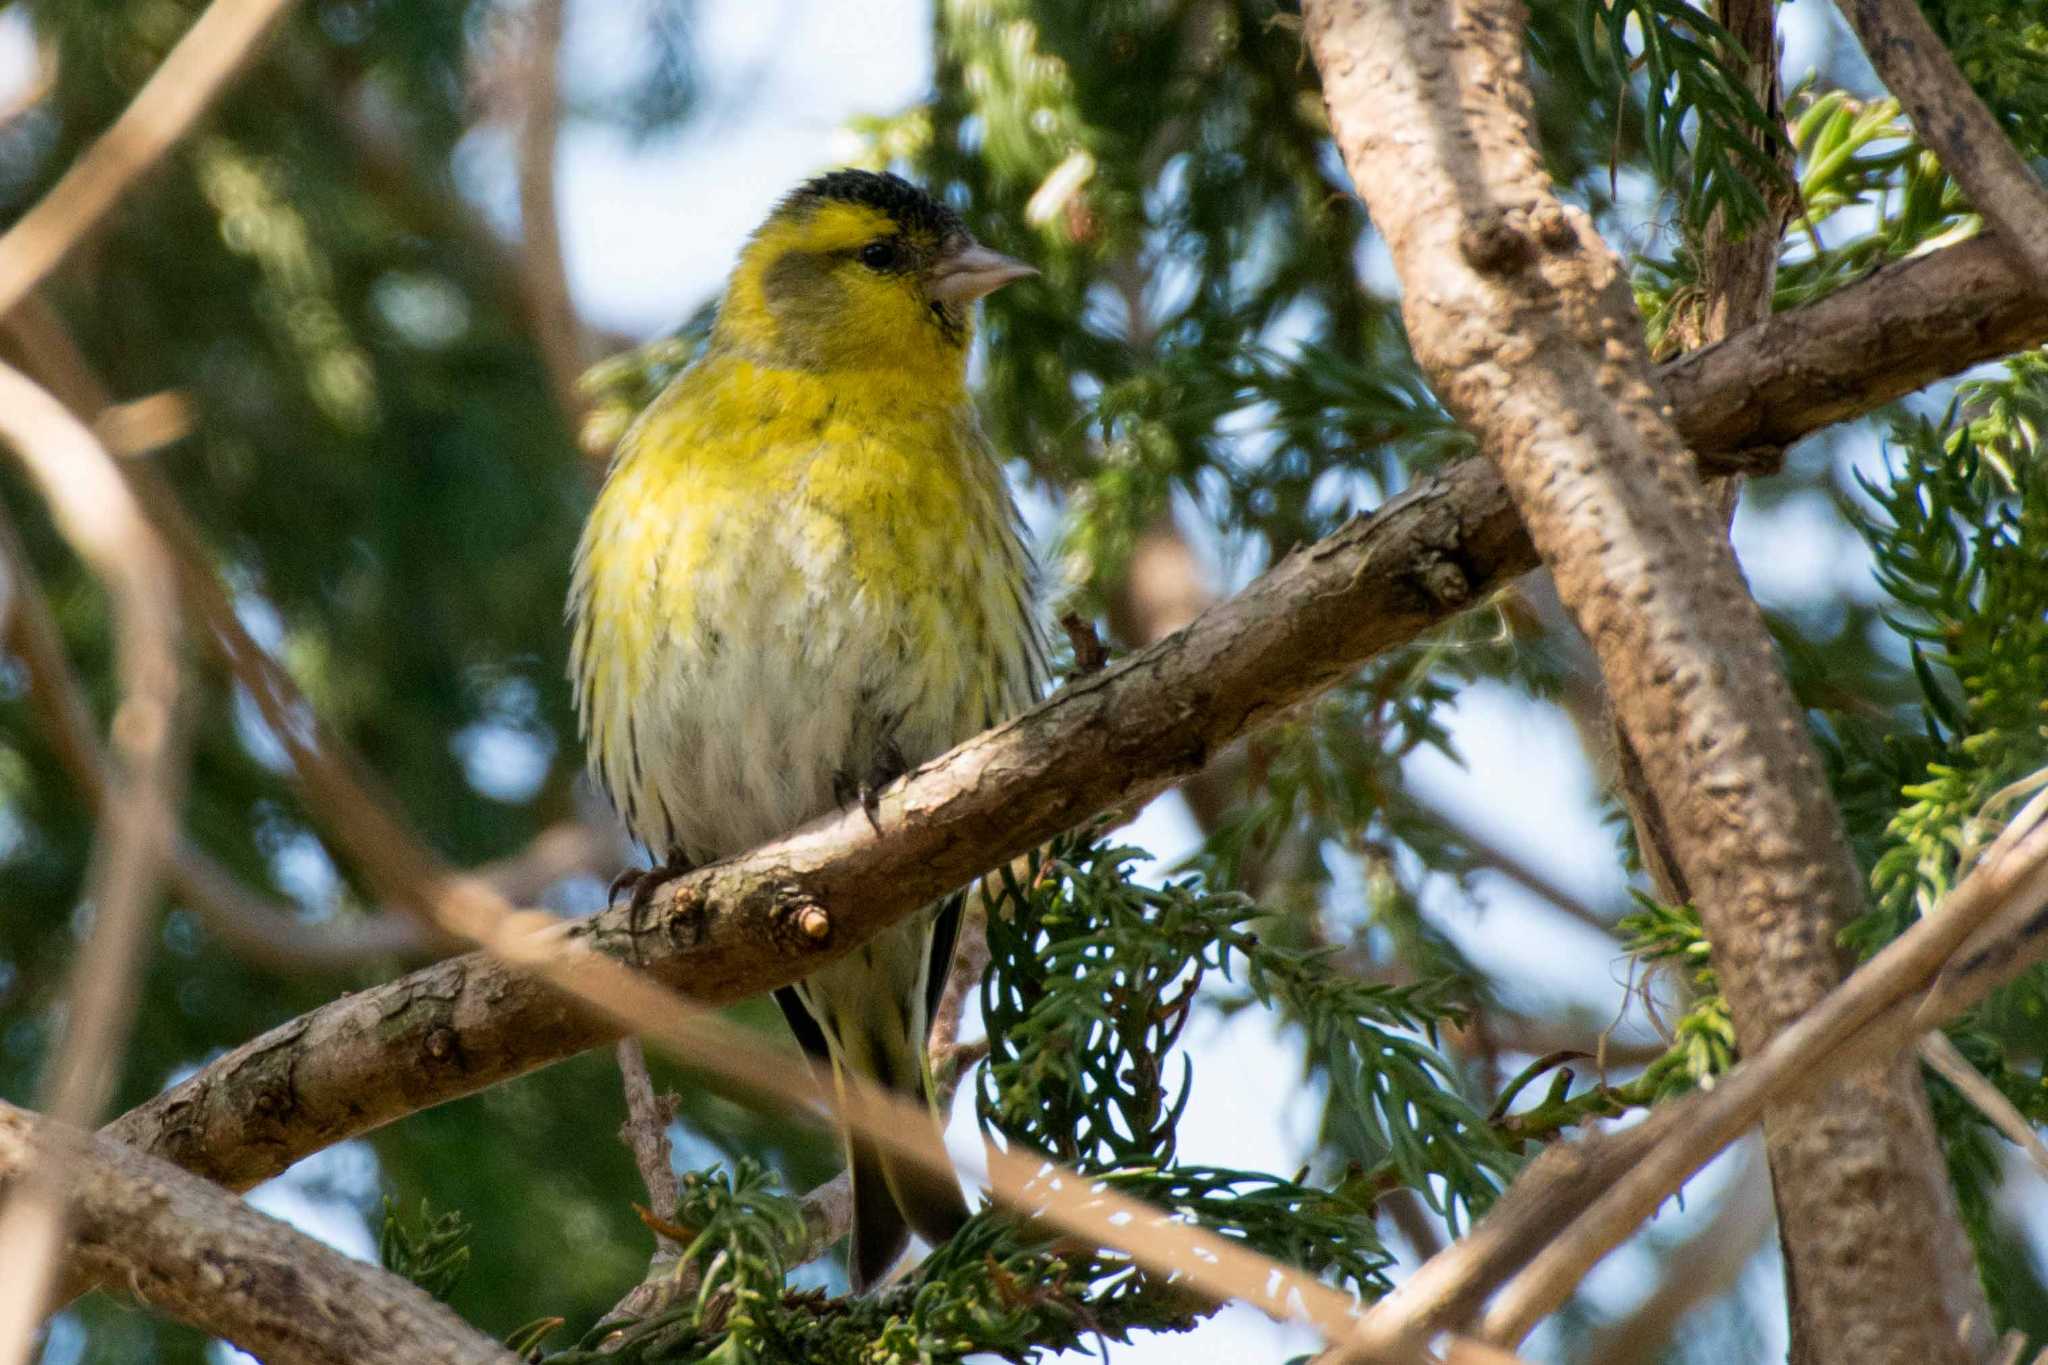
x=1986, y=932
x=777, y=914
x=1522, y=318
x=459, y=1026
x=210, y=1260
x=1898, y=329
x=376, y=839
x=1915, y=66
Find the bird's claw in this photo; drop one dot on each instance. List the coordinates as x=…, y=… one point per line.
x=847, y=791
x=643, y=882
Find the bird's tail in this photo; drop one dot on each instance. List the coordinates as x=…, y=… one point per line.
x=865, y=1015
x=894, y=1194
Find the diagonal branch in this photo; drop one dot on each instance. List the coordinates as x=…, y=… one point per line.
x=544, y=952
x=217, y=45
x=1914, y=65
x=1522, y=319
x=208, y=1259
x=1985, y=932
x=251, y=926
x=1898, y=329
x=774, y=915
x=460, y=1026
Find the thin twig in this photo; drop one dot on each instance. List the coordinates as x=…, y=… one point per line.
x=252, y=926
x=217, y=45
x=645, y=1133
x=1947, y=1060
x=558, y=330
x=97, y=514
x=963, y=977
x=1916, y=67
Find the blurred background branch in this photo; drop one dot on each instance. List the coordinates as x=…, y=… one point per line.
x=138, y=820
x=313, y=321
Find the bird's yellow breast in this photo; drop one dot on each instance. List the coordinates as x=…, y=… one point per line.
x=786, y=575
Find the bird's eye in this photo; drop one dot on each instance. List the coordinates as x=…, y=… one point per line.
x=881, y=255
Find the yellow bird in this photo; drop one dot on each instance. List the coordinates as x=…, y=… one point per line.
x=804, y=576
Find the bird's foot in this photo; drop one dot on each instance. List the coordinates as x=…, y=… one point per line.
x=847, y=790
x=867, y=789
x=643, y=882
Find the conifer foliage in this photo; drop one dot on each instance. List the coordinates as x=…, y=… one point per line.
x=320, y=284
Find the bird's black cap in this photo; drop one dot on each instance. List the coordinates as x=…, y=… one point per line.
x=909, y=207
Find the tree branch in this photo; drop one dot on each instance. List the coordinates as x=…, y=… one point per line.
x=543, y=280
x=544, y=951
x=98, y=515
x=217, y=45
x=645, y=1133
x=1522, y=319
x=1917, y=67
x=770, y=917
x=208, y=1259
x=1947, y=1059
x=1985, y=932
x=252, y=927
x=1898, y=329
x=1702, y=1269
x=462, y=1025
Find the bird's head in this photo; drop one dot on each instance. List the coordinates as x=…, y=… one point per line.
x=856, y=270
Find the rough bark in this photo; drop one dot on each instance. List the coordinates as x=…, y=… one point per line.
x=1522, y=318
x=1897, y=330
x=1985, y=933
x=188, y=1250
x=462, y=1025
x=1579, y=1200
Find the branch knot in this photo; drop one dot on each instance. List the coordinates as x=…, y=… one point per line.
x=1492, y=245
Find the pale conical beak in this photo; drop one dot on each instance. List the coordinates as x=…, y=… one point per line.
x=965, y=275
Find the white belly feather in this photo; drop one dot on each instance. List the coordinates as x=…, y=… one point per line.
x=789, y=679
